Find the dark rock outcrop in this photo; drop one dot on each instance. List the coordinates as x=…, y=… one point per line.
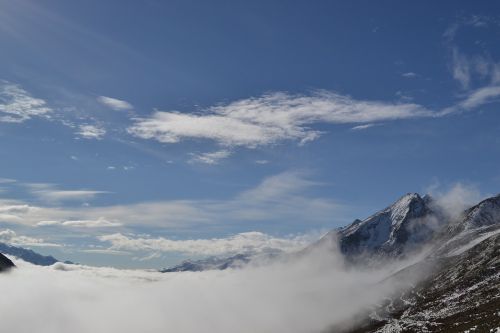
x=5, y=263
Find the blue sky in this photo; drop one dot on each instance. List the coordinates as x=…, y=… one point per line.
x=133, y=132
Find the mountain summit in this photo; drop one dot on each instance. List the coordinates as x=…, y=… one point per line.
x=403, y=226
x=460, y=291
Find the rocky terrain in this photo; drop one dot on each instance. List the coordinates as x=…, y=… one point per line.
x=455, y=288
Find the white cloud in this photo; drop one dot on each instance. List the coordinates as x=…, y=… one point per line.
x=12, y=211
x=481, y=96
x=247, y=242
x=409, y=75
x=10, y=237
x=460, y=68
x=471, y=68
x=115, y=104
x=47, y=223
x=456, y=198
x=91, y=132
x=105, y=251
x=362, y=127
x=210, y=158
x=50, y=193
x=100, y=222
x=17, y=105
x=307, y=294
x=474, y=99
x=270, y=118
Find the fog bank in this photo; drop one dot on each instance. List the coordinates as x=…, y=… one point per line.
x=301, y=295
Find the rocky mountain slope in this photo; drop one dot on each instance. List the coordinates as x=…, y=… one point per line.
x=460, y=290
x=400, y=228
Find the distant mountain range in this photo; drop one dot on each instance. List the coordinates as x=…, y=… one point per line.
x=211, y=263
x=222, y=263
x=27, y=255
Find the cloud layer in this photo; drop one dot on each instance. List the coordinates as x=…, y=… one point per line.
x=276, y=198
x=11, y=237
x=302, y=295
x=248, y=242
x=270, y=118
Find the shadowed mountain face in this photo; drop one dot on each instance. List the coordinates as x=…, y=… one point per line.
x=27, y=255
x=5, y=263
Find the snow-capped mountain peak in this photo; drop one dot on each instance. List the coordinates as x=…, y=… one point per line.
x=390, y=229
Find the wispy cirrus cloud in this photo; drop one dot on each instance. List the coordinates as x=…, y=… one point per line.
x=460, y=68
x=114, y=103
x=17, y=105
x=363, y=127
x=100, y=222
x=52, y=194
x=270, y=118
x=409, y=75
x=211, y=158
x=472, y=69
x=282, y=197
x=7, y=180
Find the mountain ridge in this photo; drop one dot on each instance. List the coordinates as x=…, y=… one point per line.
x=27, y=255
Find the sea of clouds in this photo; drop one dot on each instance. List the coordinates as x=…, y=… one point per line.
x=306, y=293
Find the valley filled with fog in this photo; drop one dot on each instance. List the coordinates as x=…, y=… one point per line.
x=296, y=295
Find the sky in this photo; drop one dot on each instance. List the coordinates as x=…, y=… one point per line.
x=138, y=134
